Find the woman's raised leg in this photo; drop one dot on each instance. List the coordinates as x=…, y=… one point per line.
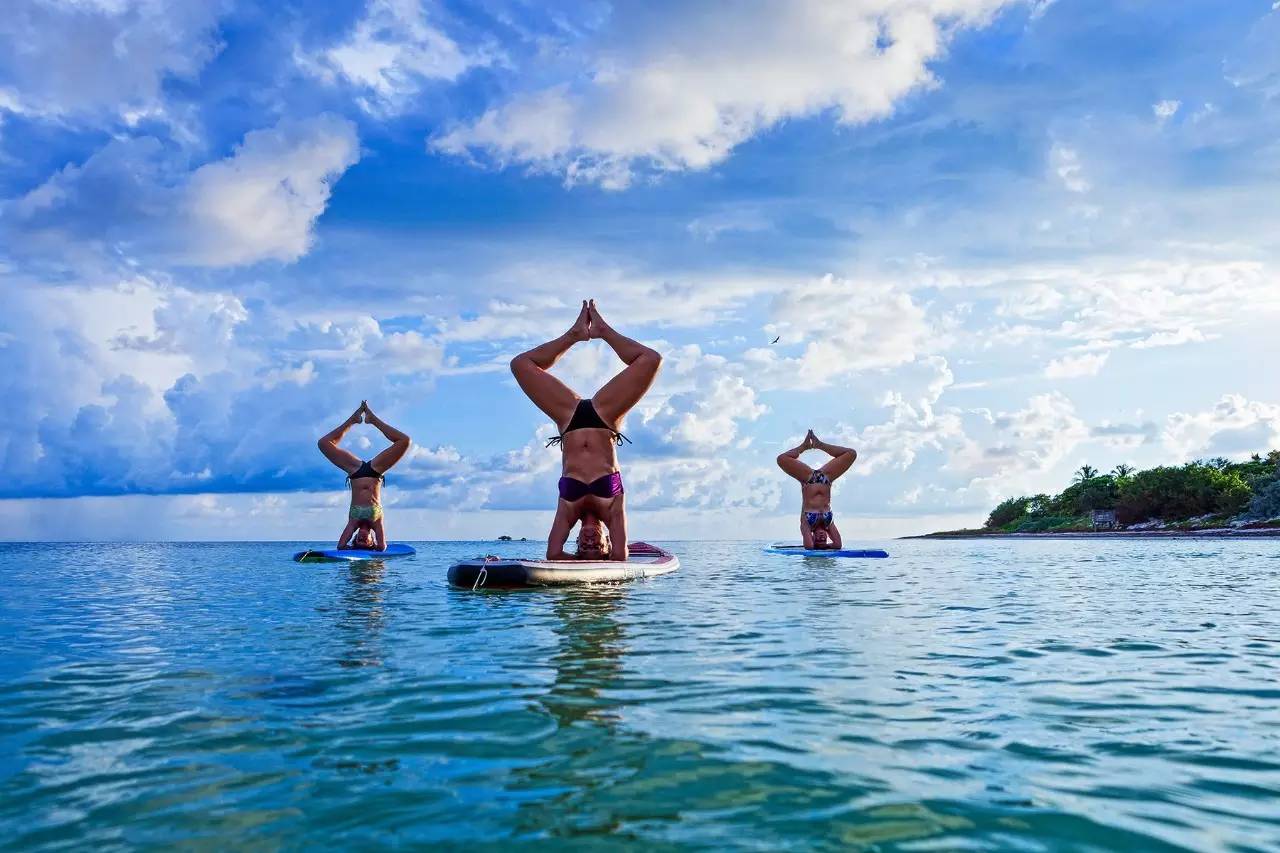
x=328, y=444
x=400, y=442
x=548, y=393
x=620, y=394
x=789, y=461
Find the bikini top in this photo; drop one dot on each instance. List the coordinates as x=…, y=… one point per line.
x=818, y=478
x=585, y=416
x=365, y=470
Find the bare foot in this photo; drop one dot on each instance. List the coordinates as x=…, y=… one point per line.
x=581, y=328
x=598, y=325
x=356, y=416
x=810, y=440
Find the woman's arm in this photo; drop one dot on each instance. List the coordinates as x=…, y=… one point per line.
x=617, y=526
x=560, y=528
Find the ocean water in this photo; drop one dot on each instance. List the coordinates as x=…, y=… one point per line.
x=1042, y=695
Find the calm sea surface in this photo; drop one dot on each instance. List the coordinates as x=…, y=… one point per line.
x=1048, y=695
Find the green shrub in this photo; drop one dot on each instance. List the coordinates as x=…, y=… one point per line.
x=1007, y=511
x=1266, y=503
x=1175, y=494
x=1051, y=522
x=1172, y=494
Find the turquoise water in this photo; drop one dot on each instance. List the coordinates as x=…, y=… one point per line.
x=1046, y=695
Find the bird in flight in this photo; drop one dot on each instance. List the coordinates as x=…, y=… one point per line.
x=775, y=340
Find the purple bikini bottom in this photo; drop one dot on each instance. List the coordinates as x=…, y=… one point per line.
x=608, y=486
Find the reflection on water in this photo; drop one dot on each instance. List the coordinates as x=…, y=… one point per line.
x=362, y=616
x=588, y=662
x=1029, y=695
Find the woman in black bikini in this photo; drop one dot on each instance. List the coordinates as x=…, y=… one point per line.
x=364, y=519
x=817, y=528
x=591, y=484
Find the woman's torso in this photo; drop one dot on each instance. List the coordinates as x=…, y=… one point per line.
x=588, y=453
x=816, y=497
x=366, y=491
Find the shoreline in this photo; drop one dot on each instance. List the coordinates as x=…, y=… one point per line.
x=1207, y=533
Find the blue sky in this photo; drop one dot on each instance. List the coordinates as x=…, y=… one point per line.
x=995, y=239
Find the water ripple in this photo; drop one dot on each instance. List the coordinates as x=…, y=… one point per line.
x=1033, y=695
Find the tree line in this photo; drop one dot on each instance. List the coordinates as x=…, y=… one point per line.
x=1217, y=490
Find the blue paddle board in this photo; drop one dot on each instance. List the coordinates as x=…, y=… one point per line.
x=800, y=550
x=352, y=555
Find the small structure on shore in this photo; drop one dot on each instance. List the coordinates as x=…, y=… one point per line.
x=1104, y=519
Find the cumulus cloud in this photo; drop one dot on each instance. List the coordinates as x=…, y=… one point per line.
x=915, y=425
x=1020, y=447
x=390, y=53
x=1125, y=435
x=1065, y=162
x=1075, y=366
x=681, y=90
x=844, y=326
x=1141, y=304
x=1255, y=63
x=135, y=198
x=1233, y=427
x=1165, y=110
x=147, y=386
x=706, y=421
x=95, y=58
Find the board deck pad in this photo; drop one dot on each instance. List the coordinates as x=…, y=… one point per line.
x=643, y=561
x=352, y=555
x=800, y=550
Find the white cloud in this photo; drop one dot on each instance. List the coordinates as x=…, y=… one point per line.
x=146, y=385
x=1165, y=110
x=1020, y=447
x=131, y=197
x=389, y=55
x=680, y=91
x=1174, y=338
x=1255, y=63
x=846, y=326
x=1075, y=366
x=712, y=226
x=90, y=58
x=261, y=202
x=1124, y=435
x=1143, y=303
x=1234, y=427
x=1065, y=162
x=706, y=421
x=914, y=426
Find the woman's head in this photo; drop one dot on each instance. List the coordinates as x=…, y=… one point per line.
x=820, y=537
x=593, y=539
x=364, y=536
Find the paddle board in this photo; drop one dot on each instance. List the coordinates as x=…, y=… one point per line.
x=800, y=550
x=352, y=555
x=490, y=572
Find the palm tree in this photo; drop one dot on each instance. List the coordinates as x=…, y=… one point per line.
x=1086, y=473
x=1121, y=471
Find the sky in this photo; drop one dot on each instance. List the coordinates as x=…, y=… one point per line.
x=993, y=239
